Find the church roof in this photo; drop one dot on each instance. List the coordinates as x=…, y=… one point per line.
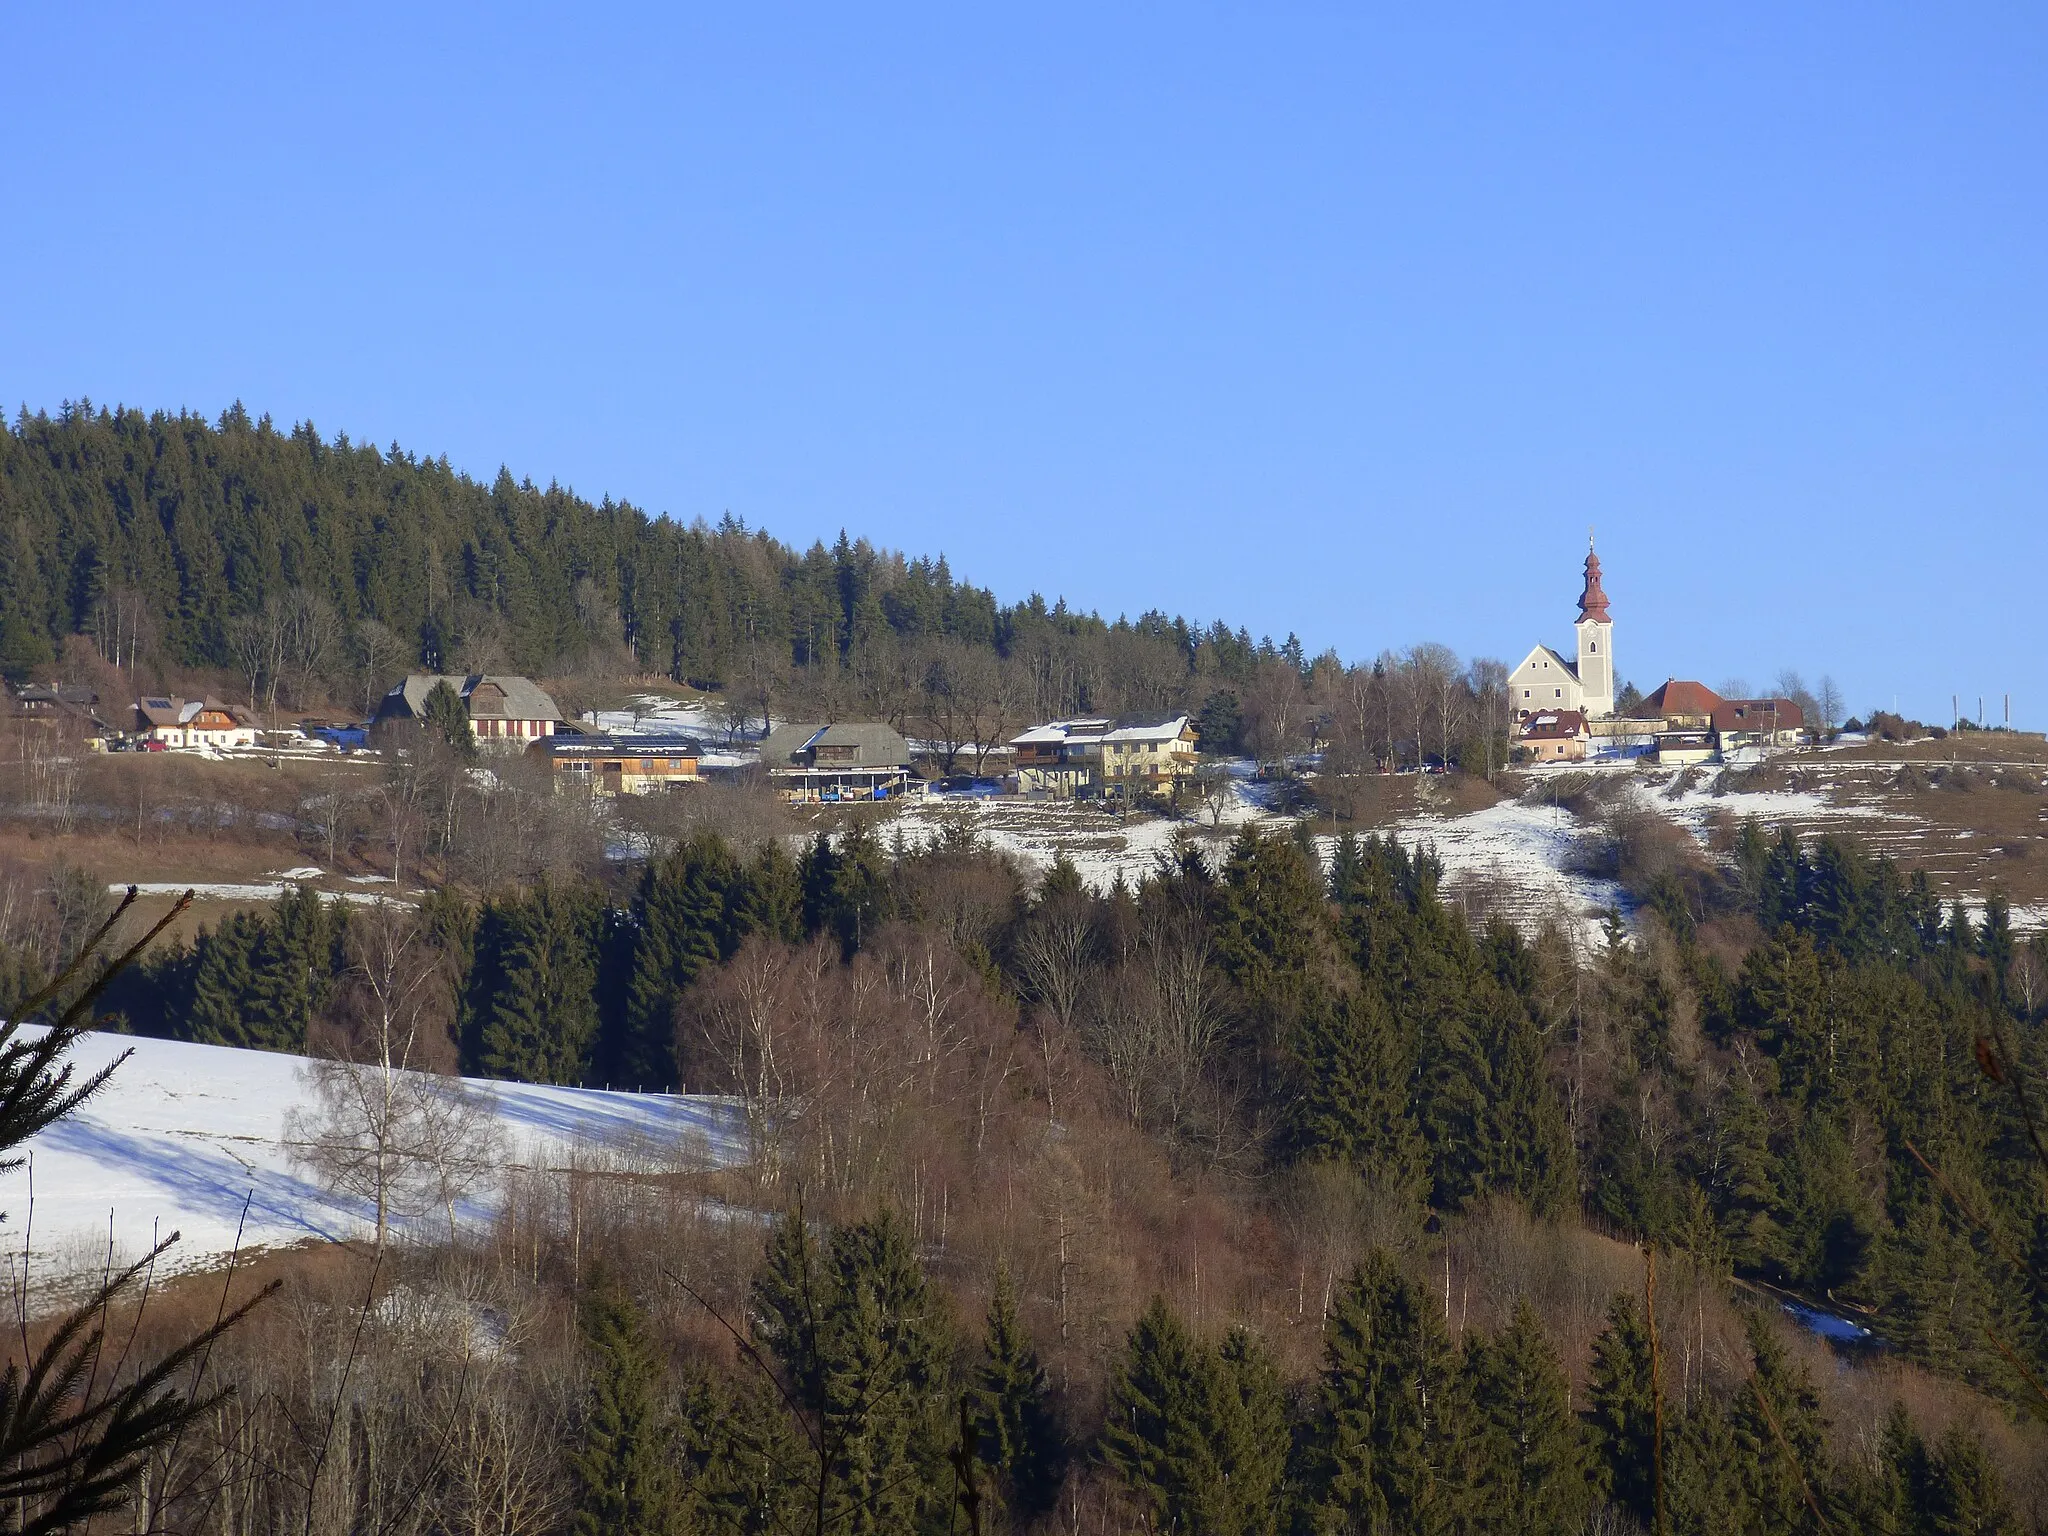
x=1593, y=601
x=1557, y=659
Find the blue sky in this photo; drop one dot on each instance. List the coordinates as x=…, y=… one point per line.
x=1341, y=320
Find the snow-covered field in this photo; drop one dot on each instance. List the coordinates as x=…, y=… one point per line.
x=1518, y=858
x=184, y=1135
x=235, y=890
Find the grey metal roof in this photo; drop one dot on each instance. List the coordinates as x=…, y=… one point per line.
x=524, y=698
x=875, y=745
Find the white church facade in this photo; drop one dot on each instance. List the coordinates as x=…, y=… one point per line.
x=1547, y=681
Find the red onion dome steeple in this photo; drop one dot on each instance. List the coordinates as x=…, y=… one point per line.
x=1593, y=601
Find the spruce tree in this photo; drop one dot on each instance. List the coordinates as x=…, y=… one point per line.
x=1270, y=922
x=1250, y=1417
x=623, y=1464
x=688, y=913
x=445, y=714
x=537, y=956
x=1019, y=1432
x=1779, y=1437
x=1527, y=1453
x=866, y=1346
x=1706, y=1477
x=1522, y=1145
x=1622, y=1411
x=1386, y=1457
x=1352, y=1076
x=1153, y=1435
x=1964, y=1495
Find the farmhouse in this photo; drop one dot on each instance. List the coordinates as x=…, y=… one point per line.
x=1694, y=724
x=1062, y=759
x=833, y=762
x=206, y=722
x=505, y=713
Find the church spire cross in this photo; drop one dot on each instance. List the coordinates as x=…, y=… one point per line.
x=1593, y=601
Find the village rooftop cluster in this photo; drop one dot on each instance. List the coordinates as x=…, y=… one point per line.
x=1564, y=708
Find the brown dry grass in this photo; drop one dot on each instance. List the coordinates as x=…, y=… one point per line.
x=1366, y=802
x=1972, y=811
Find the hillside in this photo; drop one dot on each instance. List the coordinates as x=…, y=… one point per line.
x=193, y=1138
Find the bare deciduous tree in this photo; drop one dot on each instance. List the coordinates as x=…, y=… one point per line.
x=1829, y=698
x=388, y=1128
x=378, y=654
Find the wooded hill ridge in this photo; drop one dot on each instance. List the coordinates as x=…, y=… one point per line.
x=160, y=536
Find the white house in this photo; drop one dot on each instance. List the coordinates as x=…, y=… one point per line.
x=1546, y=681
x=194, y=723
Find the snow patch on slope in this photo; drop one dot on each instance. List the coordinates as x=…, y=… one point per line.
x=184, y=1134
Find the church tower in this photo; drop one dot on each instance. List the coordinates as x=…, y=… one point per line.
x=1596, y=643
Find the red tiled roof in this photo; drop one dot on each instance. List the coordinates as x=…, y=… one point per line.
x=1555, y=725
x=1678, y=698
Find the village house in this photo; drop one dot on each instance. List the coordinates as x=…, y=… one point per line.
x=1694, y=724
x=505, y=713
x=1545, y=680
x=618, y=765
x=1555, y=735
x=68, y=705
x=1148, y=758
x=835, y=762
x=1062, y=759
x=186, y=723
x=1678, y=705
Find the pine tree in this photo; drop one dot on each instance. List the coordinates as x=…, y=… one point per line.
x=1527, y=1451
x=623, y=1463
x=1014, y=1418
x=1622, y=1412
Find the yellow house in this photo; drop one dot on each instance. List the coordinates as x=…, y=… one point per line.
x=1148, y=759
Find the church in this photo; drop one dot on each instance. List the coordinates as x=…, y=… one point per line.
x=1546, y=682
